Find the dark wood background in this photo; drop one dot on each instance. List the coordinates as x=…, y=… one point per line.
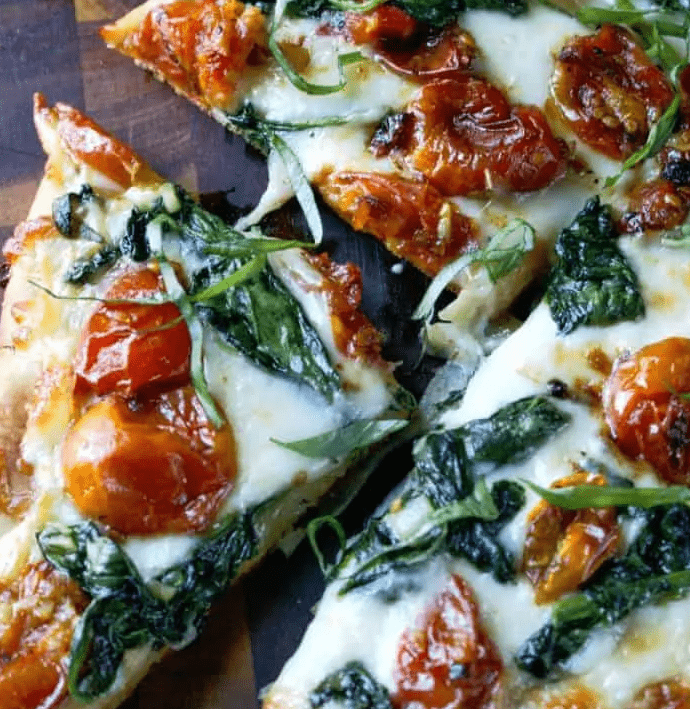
x=52, y=46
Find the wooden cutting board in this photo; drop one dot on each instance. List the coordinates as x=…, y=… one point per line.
x=53, y=46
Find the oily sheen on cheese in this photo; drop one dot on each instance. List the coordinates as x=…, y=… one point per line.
x=367, y=625
x=43, y=420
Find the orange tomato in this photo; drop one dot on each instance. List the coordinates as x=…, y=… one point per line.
x=563, y=548
x=646, y=411
x=131, y=347
x=609, y=91
x=672, y=693
x=35, y=637
x=448, y=661
x=152, y=466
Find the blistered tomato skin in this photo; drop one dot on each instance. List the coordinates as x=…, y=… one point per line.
x=149, y=466
x=40, y=608
x=201, y=47
x=447, y=661
x=129, y=347
x=657, y=205
x=563, y=548
x=468, y=139
x=647, y=410
x=609, y=91
x=406, y=215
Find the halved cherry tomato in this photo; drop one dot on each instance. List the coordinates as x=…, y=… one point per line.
x=406, y=45
x=447, y=661
x=655, y=205
x=671, y=693
x=406, y=215
x=40, y=608
x=149, y=466
x=609, y=91
x=201, y=47
x=563, y=548
x=130, y=347
x=647, y=410
x=467, y=138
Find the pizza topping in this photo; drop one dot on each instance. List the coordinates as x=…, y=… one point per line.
x=609, y=91
x=656, y=205
x=672, y=693
x=468, y=139
x=410, y=217
x=564, y=548
x=410, y=47
x=27, y=233
x=38, y=610
x=654, y=569
x=130, y=347
x=647, y=408
x=592, y=282
x=149, y=466
x=352, y=686
x=354, y=334
x=86, y=142
x=447, y=661
x=201, y=47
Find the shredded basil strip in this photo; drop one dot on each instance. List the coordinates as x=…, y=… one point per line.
x=196, y=333
x=342, y=441
x=313, y=529
x=578, y=497
x=658, y=135
x=499, y=257
x=300, y=82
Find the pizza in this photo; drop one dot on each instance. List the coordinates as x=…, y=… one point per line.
x=537, y=554
x=434, y=126
x=176, y=396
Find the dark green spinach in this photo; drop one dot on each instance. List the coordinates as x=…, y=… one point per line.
x=592, y=282
x=124, y=612
x=68, y=214
x=351, y=687
x=86, y=270
x=656, y=568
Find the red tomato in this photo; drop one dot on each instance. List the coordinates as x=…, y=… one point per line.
x=404, y=214
x=563, y=548
x=671, y=693
x=385, y=22
x=655, y=205
x=35, y=639
x=646, y=410
x=149, y=467
x=448, y=661
x=609, y=91
x=130, y=347
x=467, y=138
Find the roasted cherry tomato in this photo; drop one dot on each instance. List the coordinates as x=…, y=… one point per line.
x=447, y=661
x=407, y=46
x=672, y=693
x=355, y=336
x=609, y=91
x=151, y=466
x=655, y=205
x=406, y=215
x=201, y=47
x=131, y=347
x=647, y=408
x=467, y=138
x=40, y=608
x=563, y=548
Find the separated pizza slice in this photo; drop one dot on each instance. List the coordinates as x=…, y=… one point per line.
x=538, y=554
x=434, y=126
x=176, y=395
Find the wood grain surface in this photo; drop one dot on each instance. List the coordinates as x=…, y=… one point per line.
x=53, y=46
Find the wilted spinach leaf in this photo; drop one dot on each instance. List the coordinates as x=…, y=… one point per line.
x=351, y=687
x=124, y=612
x=85, y=269
x=592, y=282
